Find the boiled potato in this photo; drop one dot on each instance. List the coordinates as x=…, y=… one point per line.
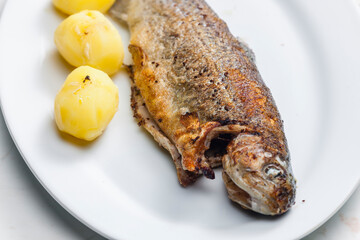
x=74, y=6
x=88, y=38
x=86, y=103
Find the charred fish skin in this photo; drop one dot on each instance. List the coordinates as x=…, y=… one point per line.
x=144, y=119
x=203, y=90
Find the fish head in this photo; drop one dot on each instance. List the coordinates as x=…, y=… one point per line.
x=257, y=176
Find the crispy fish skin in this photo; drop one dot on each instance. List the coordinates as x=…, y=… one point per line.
x=202, y=88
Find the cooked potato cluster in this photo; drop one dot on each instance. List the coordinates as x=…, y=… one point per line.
x=74, y=6
x=88, y=38
x=86, y=103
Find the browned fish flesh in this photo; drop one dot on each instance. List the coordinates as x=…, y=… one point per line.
x=197, y=90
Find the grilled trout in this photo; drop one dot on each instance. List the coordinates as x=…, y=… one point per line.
x=197, y=90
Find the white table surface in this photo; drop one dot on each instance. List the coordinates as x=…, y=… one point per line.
x=27, y=211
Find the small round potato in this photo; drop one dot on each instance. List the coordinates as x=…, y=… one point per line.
x=74, y=6
x=88, y=38
x=86, y=103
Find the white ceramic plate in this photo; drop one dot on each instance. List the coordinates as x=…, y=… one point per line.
x=125, y=187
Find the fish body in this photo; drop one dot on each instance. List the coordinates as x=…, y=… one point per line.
x=197, y=90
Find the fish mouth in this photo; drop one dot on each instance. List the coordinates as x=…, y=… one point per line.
x=268, y=202
x=237, y=194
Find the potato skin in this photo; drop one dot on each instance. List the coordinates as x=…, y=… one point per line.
x=86, y=103
x=88, y=38
x=74, y=6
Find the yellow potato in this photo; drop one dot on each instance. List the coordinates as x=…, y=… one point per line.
x=86, y=103
x=74, y=6
x=88, y=38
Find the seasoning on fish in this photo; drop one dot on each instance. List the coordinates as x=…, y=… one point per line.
x=197, y=90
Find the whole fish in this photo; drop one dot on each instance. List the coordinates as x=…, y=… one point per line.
x=197, y=90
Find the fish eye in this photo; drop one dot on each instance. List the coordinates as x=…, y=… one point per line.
x=273, y=171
